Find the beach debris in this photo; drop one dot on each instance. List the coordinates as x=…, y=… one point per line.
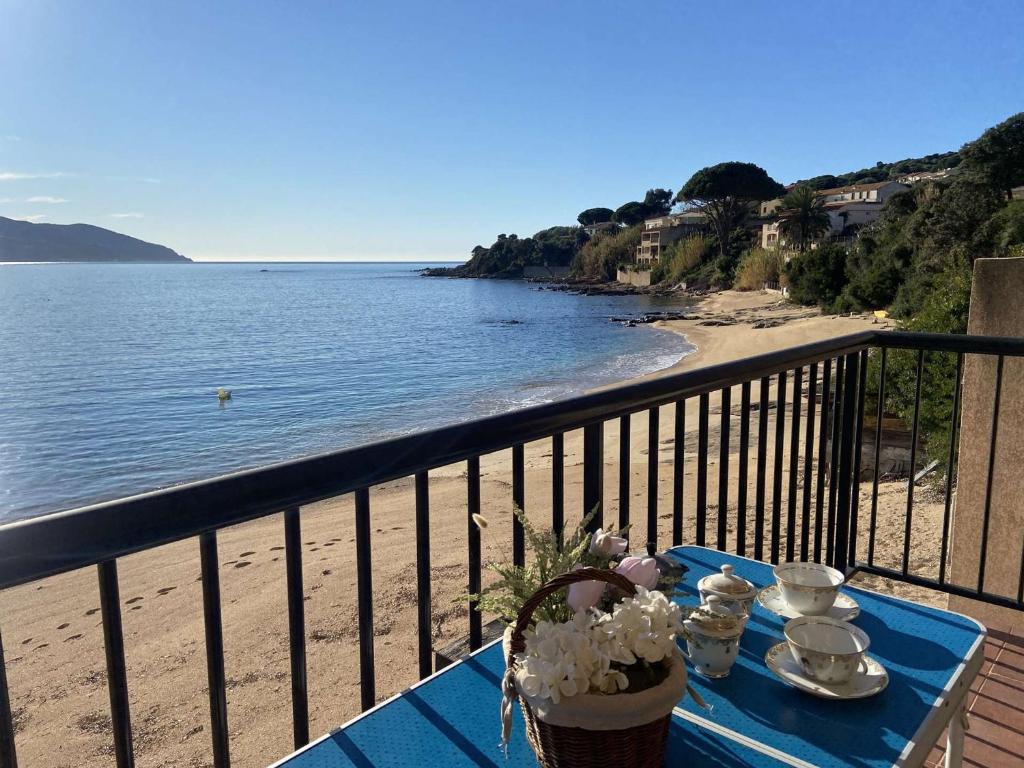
x=223, y=394
x=480, y=520
x=925, y=472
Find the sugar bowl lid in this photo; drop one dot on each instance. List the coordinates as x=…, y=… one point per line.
x=728, y=585
x=713, y=619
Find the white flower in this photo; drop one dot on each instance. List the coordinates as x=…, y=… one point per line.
x=588, y=653
x=604, y=543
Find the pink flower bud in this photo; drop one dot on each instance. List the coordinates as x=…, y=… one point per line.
x=642, y=571
x=584, y=594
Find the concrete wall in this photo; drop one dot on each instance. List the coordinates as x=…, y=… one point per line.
x=640, y=277
x=996, y=310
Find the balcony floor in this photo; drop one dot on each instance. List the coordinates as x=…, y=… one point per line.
x=995, y=704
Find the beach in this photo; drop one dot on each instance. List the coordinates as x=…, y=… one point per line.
x=53, y=638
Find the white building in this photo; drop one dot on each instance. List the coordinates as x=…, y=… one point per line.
x=854, y=205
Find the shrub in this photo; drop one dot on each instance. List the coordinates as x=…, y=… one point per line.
x=817, y=276
x=680, y=258
x=757, y=267
x=602, y=254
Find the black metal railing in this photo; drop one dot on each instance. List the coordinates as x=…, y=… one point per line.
x=815, y=517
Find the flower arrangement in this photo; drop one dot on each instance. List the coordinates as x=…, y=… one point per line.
x=591, y=637
x=598, y=651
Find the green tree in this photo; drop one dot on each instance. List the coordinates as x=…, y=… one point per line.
x=658, y=202
x=602, y=255
x=997, y=157
x=803, y=217
x=818, y=275
x=595, y=216
x=725, y=194
x=629, y=214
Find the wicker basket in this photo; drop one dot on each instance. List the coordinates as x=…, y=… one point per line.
x=597, y=741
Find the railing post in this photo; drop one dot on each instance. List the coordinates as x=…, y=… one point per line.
x=519, y=502
x=214, y=648
x=297, y=626
x=847, y=446
x=557, y=486
x=473, y=540
x=364, y=590
x=593, y=473
x=423, y=593
x=8, y=755
x=117, y=677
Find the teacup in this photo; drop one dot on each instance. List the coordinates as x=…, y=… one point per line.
x=827, y=650
x=808, y=588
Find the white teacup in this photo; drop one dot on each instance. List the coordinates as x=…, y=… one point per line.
x=808, y=588
x=827, y=650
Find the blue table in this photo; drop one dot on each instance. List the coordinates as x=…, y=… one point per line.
x=932, y=657
x=451, y=718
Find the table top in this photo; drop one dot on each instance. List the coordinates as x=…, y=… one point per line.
x=931, y=656
x=452, y=717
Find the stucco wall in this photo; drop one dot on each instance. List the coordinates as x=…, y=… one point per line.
x=996, y=310
x=640, y=278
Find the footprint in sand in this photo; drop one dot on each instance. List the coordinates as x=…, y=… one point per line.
x=91, y=611
x=247, y=554
x=65, y=625
x=132, y=601
x=315, y=549
x=164, y=590
x=274, y=559
x=72, y=637
x=326, y=572
x=26, y=642
x=42, y=645
x=335, y=540
x=135, y=608
x=398, y=528
x=242, y=563
x=329, y=544
x=276, y=549
x=310, y=543
x=230, y=562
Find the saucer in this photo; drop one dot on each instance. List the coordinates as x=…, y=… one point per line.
x=845, y=608
x=860, y=686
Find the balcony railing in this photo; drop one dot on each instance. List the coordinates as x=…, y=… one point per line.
x=821, y=393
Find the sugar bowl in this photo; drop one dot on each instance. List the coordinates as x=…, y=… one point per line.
x=735, y=593
x=713, y=638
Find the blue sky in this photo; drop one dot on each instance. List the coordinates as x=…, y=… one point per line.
x=373, y=130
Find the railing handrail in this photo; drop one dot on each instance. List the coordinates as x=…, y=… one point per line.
x=61, y=541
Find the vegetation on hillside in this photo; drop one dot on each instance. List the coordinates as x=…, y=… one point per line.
x=509, y=254
x=604, y=253
x=917, y=261
x=885, y=171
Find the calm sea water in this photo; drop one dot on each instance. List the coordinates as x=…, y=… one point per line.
x=108, y=372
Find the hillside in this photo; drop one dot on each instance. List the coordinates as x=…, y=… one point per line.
x=886, y=171
x=25, y=241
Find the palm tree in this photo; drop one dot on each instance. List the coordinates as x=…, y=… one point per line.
x=802, y=216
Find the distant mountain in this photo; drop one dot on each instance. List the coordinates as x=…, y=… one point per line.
x=25, y=241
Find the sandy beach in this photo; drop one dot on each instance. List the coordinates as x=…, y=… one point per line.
x=52, y=632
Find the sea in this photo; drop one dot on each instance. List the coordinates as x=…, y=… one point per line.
x=109, y=372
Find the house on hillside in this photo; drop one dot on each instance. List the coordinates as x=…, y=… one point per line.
x=603, y=226
x=660, y=232
x=919, y=177
x=849, y=208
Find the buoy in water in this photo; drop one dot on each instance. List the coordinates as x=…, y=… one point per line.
x=223, y=394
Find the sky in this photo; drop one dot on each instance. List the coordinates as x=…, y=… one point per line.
x=414, y=131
